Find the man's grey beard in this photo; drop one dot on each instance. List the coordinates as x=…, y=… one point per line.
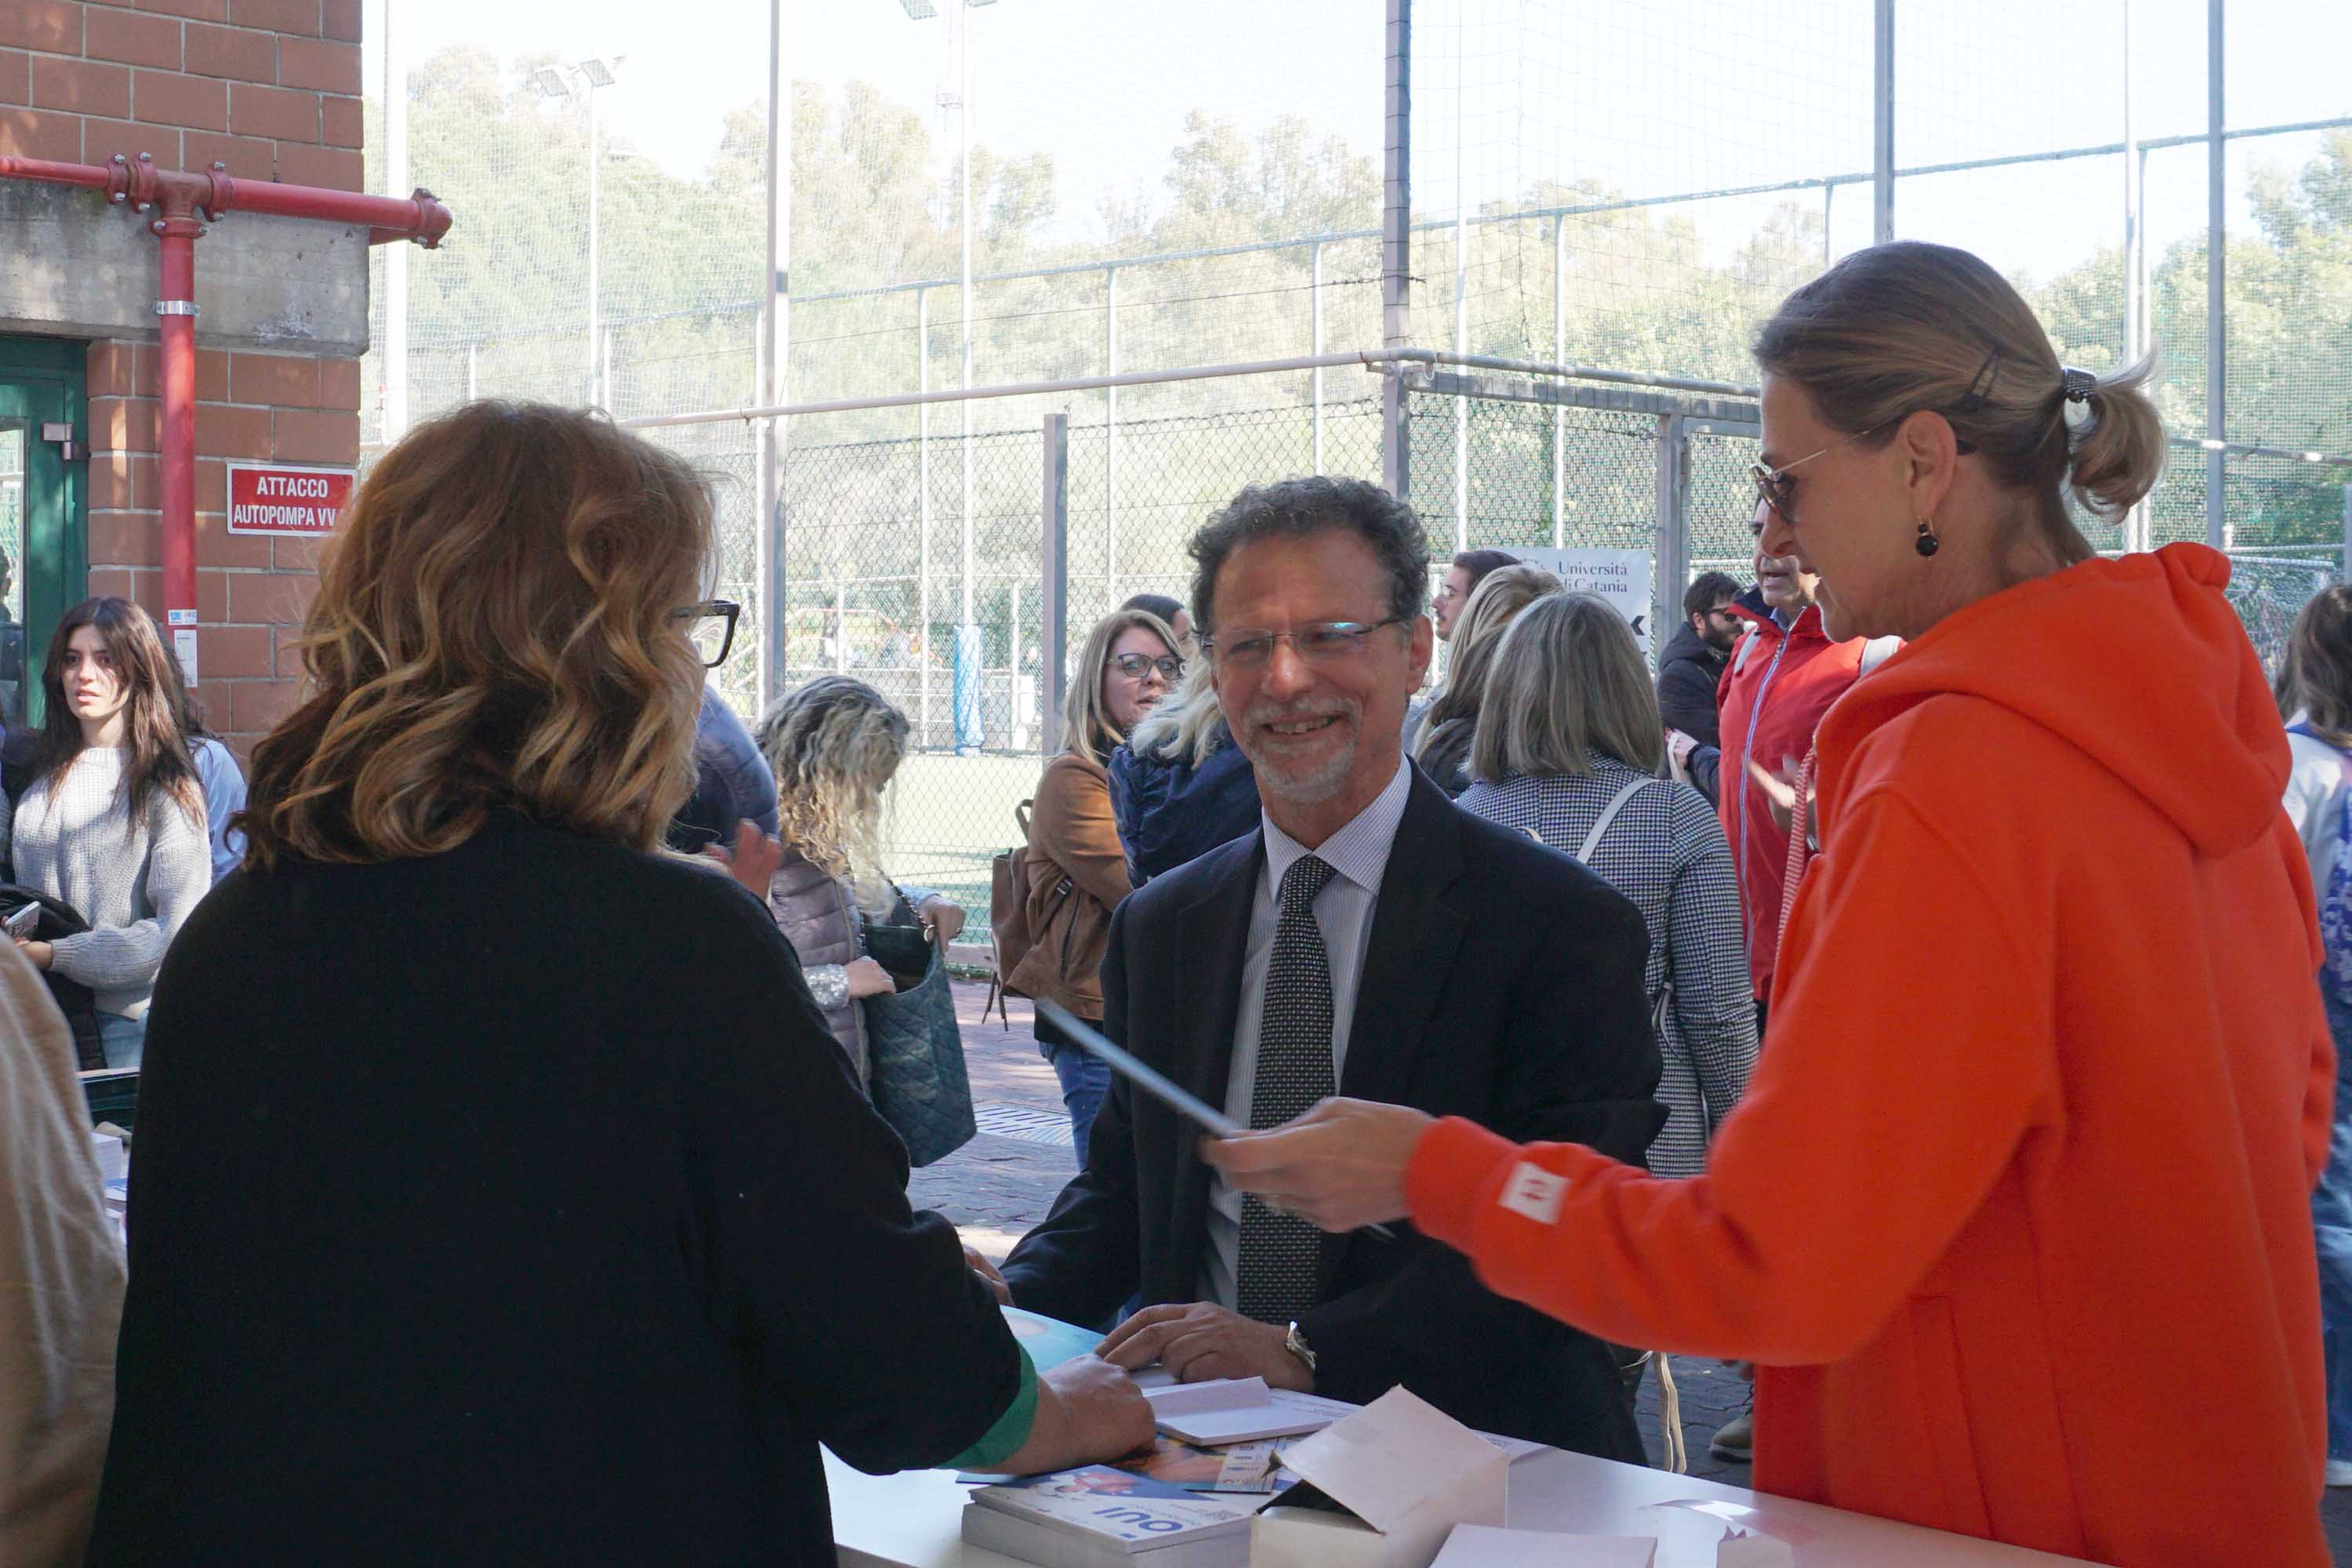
x=1326, y=781
x=1316, y=787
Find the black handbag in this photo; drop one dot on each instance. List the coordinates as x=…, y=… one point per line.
x=77, y=1002
x=914, y=1050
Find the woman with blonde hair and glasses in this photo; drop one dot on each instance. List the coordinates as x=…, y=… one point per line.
x=1076, y=866
x=2015, y=1216
x=500, y=1196
x=1179, y=786
x=1450, y=725
x=1570, y=746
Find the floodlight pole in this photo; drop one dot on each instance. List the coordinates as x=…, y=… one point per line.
x=2217, y=269
x=396, y=260
x=1881, y=138
x=963, y=13
x=1396, y=248
x=592, y=334
x=2134, y=328
x=775, y=368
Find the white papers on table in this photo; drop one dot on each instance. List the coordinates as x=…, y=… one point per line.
x=1483, y=1546
x=1238, y=1410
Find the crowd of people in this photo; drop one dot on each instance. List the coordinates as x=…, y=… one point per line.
x=1895, y=996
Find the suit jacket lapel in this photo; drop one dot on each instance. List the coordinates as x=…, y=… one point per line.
x=1213, y=937
x=1416, y=929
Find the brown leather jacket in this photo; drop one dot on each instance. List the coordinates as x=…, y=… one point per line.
x=1077, y=875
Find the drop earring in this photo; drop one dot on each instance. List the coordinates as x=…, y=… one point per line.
x=1926, y=544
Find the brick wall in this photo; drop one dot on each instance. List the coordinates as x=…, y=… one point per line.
x=271, y=88
x=250, y=590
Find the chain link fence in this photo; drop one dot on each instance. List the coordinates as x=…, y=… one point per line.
x=875, y=541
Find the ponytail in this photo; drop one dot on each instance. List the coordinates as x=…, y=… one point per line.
x=2117, y=455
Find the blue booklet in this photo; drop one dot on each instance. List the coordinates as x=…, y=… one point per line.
x=1049, y=1340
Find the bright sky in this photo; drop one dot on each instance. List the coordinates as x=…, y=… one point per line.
x=1644, y=96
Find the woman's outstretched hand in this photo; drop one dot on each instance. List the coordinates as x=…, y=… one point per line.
x=1340, y=1167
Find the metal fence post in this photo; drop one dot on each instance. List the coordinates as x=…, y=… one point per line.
x=1881, y=138
x=1461, y=316
x=1670, y=549
x=923, y=519
x=1315, y=333
x=1111, y=438
x=2217, y=268
x=2345, y=575
x=1054, y=613
x=1396, y=251
x=1559, y=356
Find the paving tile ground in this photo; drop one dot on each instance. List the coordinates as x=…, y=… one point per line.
x=995, y=1187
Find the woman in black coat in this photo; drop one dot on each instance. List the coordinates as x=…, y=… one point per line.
x=500, y=1196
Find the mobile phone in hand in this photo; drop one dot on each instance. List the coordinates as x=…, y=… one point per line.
x=24, y=922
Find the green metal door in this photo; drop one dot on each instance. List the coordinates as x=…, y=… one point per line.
x=44, y=546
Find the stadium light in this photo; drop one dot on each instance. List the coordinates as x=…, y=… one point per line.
x=561, y=83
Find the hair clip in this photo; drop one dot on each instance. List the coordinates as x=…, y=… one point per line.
x=1973, y=400
x=2079, y=384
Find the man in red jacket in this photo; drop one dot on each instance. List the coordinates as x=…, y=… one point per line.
x=1785, y=674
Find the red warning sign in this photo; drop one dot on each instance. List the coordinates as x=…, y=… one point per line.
x=271, y=497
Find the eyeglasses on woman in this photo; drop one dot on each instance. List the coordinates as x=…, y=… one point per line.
x=710, y=628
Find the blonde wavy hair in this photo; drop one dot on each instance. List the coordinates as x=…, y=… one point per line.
x=496, y=626
x=1086, y=726
x=833, y=744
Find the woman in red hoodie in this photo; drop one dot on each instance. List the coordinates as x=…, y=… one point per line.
x=2014, y=1217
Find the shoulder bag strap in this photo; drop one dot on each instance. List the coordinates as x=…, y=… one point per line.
x=1608, y=815
x=1664, y=998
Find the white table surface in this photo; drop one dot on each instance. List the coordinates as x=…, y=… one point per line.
x=915, y=1519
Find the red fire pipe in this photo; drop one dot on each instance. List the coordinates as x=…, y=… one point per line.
x=177, y=307
x=186, y=203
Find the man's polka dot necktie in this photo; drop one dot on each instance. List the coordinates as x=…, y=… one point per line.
x=1276, y=1279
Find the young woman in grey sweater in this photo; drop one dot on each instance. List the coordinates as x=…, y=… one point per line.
x=113, y=822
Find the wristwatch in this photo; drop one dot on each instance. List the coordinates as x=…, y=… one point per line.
x=1296, y=1343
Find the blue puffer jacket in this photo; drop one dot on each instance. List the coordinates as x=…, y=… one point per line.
x=1170, y=812
x=733, y=781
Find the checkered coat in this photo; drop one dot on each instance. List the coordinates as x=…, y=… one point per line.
x=1665, y=851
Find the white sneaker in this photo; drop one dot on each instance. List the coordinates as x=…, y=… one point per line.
x=2339, y=1472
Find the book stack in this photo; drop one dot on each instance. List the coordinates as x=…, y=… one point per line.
x=1099, y=1517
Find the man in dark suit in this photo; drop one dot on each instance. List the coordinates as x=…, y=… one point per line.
x=1371, y=940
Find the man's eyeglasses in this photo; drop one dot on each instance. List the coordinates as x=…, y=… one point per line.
x=1320, y=642
x=711, y=628
x=1136, y=666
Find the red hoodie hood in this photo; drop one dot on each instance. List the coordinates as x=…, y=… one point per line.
x=2140, y=663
